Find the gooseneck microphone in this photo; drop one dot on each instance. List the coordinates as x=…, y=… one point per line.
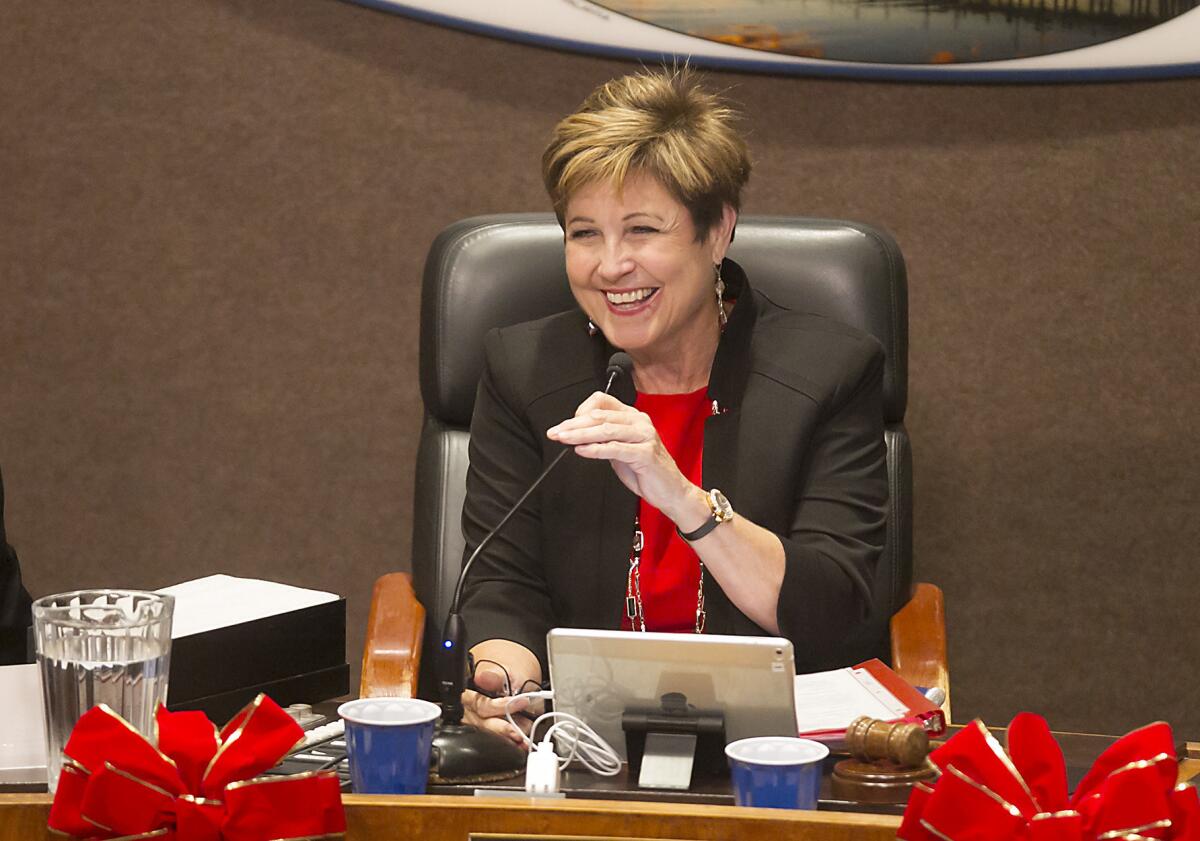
x=451, y=657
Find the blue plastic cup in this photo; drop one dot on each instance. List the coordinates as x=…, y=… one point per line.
x=388, y=741
x=776, y=772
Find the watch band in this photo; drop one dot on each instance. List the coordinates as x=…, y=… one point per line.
x=711, y=523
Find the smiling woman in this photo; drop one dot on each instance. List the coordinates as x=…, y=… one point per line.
x=634, y=533
x=646, y=277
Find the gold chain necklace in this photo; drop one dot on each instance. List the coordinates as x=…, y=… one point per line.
x=634, y=609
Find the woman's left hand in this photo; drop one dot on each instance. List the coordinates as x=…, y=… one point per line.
x=606, y=428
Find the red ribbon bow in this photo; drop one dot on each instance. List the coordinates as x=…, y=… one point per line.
x=196, y=785
x=985, y=794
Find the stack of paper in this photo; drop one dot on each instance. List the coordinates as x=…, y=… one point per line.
x=221, y=600
x=22, y=726
x=827, y=702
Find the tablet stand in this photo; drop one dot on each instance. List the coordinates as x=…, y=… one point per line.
x=668, y=744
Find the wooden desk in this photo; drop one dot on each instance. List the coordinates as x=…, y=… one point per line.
x=1079, y=750
x=432, y=818
x=579, y=784
x=693, y=817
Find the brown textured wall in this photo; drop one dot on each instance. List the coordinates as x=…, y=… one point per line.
x=212, y=221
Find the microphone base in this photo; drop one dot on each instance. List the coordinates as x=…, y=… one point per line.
x=464, y=754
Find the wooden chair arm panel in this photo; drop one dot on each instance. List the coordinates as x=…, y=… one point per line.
x=395, y=630
x=919, y=641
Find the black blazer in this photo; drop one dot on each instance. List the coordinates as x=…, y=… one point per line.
x=15, y=616
x=797, y=448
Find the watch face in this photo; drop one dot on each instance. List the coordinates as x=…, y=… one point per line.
x=722, y=510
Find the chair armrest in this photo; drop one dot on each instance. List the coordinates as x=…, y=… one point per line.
x=919, y=641
x=395, y=630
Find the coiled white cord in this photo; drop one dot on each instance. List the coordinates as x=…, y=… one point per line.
x=579, y=740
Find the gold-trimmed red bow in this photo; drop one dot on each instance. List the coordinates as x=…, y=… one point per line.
x=197, y=785
x=986, y=794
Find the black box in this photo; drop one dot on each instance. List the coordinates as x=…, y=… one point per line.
x=296, y=657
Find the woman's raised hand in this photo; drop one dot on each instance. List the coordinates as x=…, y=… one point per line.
x=606, y=428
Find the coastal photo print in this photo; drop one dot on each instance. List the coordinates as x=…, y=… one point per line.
x=951, y=40
x=906, y=31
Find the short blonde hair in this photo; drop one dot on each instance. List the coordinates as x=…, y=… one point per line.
x=662, y=123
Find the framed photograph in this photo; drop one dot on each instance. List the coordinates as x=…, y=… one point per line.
x=925, y=40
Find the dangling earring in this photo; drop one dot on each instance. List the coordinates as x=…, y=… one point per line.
x=719, y=287
x=592, y=328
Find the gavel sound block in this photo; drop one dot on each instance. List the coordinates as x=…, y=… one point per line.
x=887, y=759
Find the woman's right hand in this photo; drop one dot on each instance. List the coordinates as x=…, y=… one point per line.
x=488, y=713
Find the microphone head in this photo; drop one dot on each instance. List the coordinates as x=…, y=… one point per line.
x=621, y=364
x=619, y=377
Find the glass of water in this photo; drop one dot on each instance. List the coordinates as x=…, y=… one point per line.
x=101, y=647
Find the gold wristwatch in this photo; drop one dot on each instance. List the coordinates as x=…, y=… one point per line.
x=721, y=511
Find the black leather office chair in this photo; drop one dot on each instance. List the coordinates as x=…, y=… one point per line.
x=498, y=270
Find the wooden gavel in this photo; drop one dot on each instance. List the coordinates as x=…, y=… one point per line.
x=901, y=742
x=888, y=758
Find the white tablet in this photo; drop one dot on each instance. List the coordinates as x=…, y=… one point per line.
x=597, y=675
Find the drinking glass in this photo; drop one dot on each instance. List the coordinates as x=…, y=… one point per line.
x=101, y=647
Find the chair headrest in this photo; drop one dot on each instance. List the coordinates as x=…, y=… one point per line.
x=493, y=271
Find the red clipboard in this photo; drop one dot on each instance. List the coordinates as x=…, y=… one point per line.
x=918, y=708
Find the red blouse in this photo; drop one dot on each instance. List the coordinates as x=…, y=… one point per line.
x=670, y=569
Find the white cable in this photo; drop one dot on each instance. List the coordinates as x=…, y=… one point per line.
x=584, y=744
x=543, y=695
x=580, y=741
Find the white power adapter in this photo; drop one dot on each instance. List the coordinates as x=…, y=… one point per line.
x=541, y=771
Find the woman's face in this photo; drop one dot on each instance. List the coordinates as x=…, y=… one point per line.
x=636, y=268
